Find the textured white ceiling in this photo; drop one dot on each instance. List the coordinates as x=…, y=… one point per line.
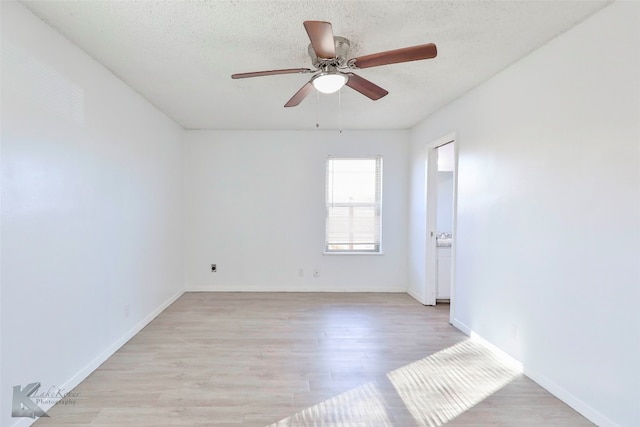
x=180, y=54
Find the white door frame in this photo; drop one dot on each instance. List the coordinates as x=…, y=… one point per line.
x=431, y=175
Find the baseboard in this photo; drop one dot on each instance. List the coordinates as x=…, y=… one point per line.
x=417, y=297
x=580, y=406
x=504, y=357
x=462, y=327
x=73, y=382
x=290, y=290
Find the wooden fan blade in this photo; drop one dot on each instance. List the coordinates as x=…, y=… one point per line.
x=414, y=53
x=300, y=95
x=271, y=73
x=365, y=87
x=321, y=36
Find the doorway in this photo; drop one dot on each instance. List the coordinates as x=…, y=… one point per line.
x=444, y=222
x=441, y=177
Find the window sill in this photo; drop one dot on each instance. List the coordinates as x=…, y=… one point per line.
x=352, y=253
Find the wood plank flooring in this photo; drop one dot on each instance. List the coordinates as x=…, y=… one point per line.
x=306, y=359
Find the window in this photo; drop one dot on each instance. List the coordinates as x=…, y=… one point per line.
x=353, y=198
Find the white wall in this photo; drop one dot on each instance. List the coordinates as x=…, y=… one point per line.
x=255, y=206
x=91, y=209
x=548, y=231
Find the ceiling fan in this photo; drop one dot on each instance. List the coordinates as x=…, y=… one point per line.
x=332, y=68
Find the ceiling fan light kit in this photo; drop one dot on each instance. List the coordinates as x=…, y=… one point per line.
x=333, y=70
x=329, y=82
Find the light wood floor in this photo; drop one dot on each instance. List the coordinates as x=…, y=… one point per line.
x=259, y=359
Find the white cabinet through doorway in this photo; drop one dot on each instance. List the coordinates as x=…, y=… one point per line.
x=443, y=290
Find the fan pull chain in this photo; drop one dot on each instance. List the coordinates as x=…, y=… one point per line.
x=317, y=109
x=340, y=110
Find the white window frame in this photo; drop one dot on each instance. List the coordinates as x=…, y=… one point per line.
x=376, y=204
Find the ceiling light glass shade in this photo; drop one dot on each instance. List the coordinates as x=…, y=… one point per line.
x=329, y=83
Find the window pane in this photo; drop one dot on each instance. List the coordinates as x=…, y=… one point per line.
x=352, y=181
x=353, y=204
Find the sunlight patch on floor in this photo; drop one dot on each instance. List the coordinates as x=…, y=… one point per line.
x=440, y=387
x=432, y=391
x=361, y=406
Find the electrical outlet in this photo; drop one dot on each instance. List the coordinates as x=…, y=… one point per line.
x=214, y=268
x=316, y=273
x=300, y=272
x=127, y=311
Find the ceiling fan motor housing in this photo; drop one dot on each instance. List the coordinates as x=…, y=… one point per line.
x=342, y=46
